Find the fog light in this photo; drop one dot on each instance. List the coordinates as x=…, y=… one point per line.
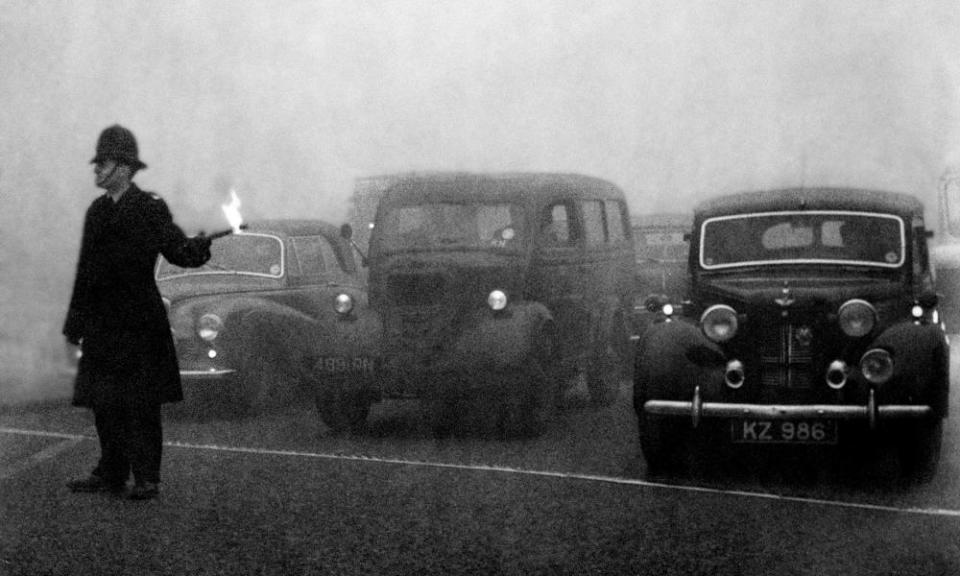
x=837, y=374
x=876, y=365
x=734, y=376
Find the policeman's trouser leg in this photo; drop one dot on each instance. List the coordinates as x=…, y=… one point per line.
x=144, y=440
x=114, y=466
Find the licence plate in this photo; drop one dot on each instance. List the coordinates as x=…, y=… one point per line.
x=784, y=431
x=345, y=365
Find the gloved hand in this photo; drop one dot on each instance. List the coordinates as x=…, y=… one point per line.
x=200, y=247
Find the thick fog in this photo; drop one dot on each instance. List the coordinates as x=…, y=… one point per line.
x=288, y=103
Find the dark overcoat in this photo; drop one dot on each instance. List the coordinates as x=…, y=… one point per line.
x=116, y=308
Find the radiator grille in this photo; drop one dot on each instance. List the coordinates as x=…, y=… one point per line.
x=786, y=355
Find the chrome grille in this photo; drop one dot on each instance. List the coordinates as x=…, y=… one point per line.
x=786, y=355
x=416, y=289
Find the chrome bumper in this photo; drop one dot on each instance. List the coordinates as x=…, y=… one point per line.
x=212, y=374
x=696, y=409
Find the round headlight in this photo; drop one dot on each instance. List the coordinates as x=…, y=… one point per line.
x=209, y=326
x=497, y=300
x=876, y=365
x=343, y=304
x=667, y=310
x=857, y=318
x=719, y=322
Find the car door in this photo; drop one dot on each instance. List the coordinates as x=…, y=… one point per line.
x=558, y=277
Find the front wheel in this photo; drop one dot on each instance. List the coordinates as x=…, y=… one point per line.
x=663, y=442
x=920, y=450
x=341, y=410
x=603, y=372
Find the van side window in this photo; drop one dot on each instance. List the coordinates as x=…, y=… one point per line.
x=615, y=221
x=593, y=225
x=555, y=226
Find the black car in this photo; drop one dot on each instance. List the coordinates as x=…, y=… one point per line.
x=502, y=286
x=257, y=322
x=812, y=320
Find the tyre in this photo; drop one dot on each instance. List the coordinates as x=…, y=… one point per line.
x=663, y=442
x=538, y=398
x=604, y=370
x=263, y=384
x=919, y=452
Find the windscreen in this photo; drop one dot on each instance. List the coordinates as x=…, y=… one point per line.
x=449, y=225
x=255, y=254
x=864, y=239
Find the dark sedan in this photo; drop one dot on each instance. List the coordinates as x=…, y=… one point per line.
x=253, y=323
x=812, y=319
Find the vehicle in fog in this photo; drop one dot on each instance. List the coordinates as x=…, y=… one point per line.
x=501, y=287
x=812, y=320
x=945, y=252
x=662, y=245
x=254, y=323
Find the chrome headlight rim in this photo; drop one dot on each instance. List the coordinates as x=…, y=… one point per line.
x=857, y=317
x=497, y=300
x=343, y=304
x=209, y=327
x=719, y=323
x=877, y=366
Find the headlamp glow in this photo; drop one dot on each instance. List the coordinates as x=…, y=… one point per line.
x=497, y=300
x=719, y=322
x=857, y=318
x=343, y=304
x=209, y=327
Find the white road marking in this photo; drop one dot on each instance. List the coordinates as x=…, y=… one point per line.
x=39, y=457
x=76, y=438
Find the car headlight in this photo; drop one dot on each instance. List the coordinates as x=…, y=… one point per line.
x=857, y=318
x=719, y=322
x=876, y=365
x=497, y=300
x=343, y=304
x=209, y=327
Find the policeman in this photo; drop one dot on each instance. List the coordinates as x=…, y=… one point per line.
x=129, y=367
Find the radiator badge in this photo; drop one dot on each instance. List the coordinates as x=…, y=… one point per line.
x=785, y=300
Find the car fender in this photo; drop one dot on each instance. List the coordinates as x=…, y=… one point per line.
x=921, y=355
x=672, y=358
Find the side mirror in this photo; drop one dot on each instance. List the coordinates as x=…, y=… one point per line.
x=346, y=231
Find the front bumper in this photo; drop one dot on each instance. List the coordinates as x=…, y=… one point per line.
x=209, y=374
x=696, y=410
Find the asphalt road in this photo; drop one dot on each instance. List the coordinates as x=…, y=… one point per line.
x=278, y=495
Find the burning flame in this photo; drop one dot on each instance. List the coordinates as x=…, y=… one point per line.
x=232, y=212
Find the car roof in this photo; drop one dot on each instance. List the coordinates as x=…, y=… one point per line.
x=810, y=199
x=496, y=186
x=294, y=227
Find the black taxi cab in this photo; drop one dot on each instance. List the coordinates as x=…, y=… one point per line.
x=811, y=319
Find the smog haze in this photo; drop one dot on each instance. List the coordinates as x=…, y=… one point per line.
x=287, y=103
